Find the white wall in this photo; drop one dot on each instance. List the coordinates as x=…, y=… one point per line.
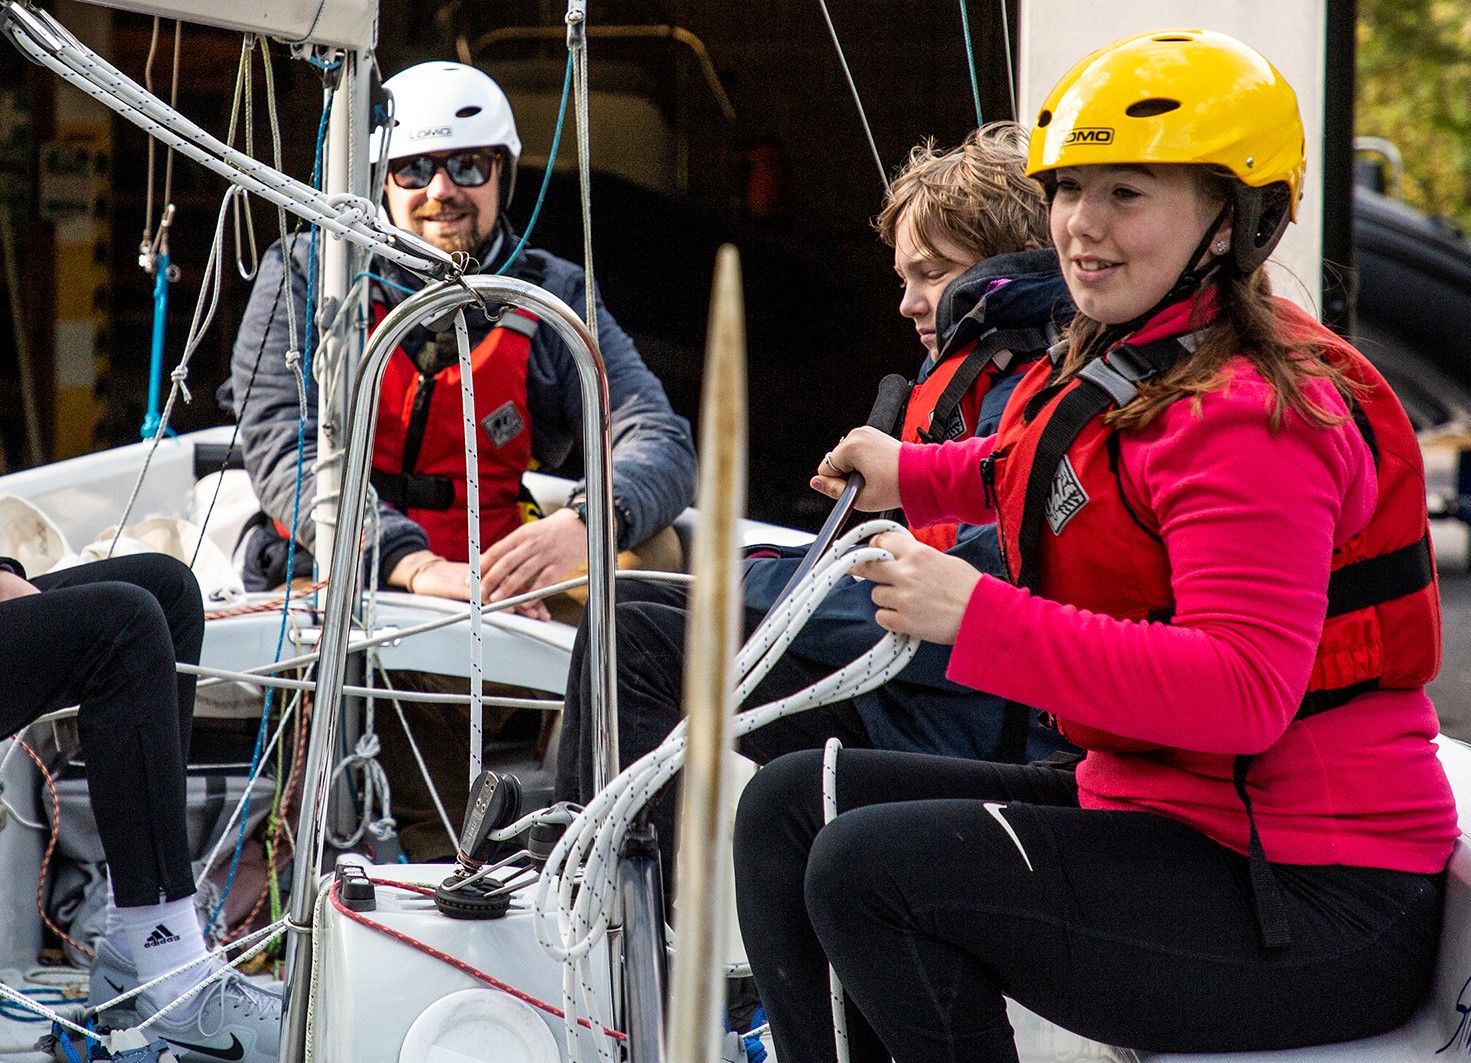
x=1055, y=34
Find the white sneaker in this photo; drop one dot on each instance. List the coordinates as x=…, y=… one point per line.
x=234, y=1020
x=111, y=977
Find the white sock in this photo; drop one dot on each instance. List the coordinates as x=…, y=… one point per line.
x=116, y=936
x=163, y=937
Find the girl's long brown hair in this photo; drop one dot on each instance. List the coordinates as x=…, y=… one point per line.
x=1245, y=325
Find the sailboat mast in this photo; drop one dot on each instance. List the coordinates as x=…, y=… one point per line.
x=336, y=367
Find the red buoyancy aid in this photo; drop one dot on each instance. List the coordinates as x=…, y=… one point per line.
x=961, y=423
x=503, y=442
x=946, y=405
x=1383, y=623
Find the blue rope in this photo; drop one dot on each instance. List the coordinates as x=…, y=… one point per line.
x=306, y=372
x=547, y=177
x=47, y=995
x=970, y=61
x=63, y=1041
x=155, y=359
x=384, y=281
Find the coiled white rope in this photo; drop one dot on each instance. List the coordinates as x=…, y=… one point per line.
x=571, y=914
x=373, y=789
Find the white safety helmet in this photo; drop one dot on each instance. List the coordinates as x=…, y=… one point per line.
x=443, y=106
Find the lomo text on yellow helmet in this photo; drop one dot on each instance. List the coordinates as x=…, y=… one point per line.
x=1174, y=96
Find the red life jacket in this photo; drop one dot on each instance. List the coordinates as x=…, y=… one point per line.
x=419, y=448
x=946, y=405
x=1068, y=533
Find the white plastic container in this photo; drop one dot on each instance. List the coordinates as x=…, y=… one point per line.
x=372, y=990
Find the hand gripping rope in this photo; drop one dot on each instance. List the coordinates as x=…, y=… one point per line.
x=572, y=913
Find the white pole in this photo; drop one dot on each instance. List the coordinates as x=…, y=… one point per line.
x=335, y=364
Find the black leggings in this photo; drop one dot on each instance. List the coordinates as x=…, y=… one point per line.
x=944, y=885
x=105, y=636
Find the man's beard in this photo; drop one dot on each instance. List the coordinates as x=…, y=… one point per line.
x=460, y=241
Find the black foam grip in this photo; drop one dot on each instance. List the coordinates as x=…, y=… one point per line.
x=888, y=405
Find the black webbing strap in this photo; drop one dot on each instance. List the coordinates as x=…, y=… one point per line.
x=1376, y=580
x=1271, y=913
x=1316, y=701
x=413, y=490
x=1100, y=385
x=1027, y=344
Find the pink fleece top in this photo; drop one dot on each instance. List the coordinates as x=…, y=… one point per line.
x=1249, y=520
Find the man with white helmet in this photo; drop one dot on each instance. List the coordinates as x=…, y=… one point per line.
x=452, y=155
x=452, y=150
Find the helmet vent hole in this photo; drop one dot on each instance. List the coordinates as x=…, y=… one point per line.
x=470, y=112
x=1044, y=119
x=1174, y=40
x=1152, y=107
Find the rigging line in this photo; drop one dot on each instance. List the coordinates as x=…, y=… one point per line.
x=1006, y=47
x=970, y=61
x=147, y=242
x=168, y=158
x=242, y=204
x=853, y=88
x=245, y=400
x=393, y=698
x=287, y=245
x=304, y=374
x=472, y=513
x=546, y=179
x=180, y=373
x=293, y=705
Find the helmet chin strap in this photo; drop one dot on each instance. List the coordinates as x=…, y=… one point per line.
x=1190, y=281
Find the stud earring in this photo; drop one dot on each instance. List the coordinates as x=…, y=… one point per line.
x=1221, y=247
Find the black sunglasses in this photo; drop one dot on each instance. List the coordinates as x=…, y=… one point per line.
x=468, y=169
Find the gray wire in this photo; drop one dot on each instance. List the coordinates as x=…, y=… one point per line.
x=857, y=101
x=1006, y=47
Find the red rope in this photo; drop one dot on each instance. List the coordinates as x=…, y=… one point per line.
x=458, y=964
x=50, y=849
x=267, y=607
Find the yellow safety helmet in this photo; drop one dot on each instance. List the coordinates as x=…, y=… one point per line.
x=1183, y=96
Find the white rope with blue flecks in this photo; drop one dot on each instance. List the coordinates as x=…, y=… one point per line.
x=572, y=913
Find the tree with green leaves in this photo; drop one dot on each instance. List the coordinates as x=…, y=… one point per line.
x=1414, y=89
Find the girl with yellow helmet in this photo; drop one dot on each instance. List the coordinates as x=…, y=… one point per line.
x=1249, y=854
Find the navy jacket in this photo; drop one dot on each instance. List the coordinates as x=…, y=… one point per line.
x=921, y=711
